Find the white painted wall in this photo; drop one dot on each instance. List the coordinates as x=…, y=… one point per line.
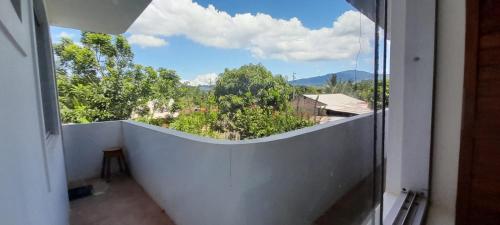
x=83, y=146
x=288, y=179
x=411, y=101
x=32, y=174
x=448, y=110
x=406, y=91
x=396, y=101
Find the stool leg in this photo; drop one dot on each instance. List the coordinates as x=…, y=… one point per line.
x=108, y=170
x=103, y=166
x=119, y=158
x=125, y=165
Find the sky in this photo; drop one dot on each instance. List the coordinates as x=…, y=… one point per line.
x=200, y=38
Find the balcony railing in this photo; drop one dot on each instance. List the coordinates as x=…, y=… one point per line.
x=290, y=178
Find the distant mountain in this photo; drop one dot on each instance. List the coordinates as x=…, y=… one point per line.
x=348, y=75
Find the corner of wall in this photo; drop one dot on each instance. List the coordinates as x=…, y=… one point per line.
x=122, y=142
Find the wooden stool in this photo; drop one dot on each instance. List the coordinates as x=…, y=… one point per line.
x=108, y=154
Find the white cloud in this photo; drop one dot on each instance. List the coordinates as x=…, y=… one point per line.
x=65, y=35
x=71, y=36
x=145, y=41
x=261, y=34
x=204, y=79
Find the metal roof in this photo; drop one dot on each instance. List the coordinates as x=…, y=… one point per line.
x=342, y=103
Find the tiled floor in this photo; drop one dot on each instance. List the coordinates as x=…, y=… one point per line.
x=120, y=202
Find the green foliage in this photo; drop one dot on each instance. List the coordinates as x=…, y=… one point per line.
x=164, y=89
x=248, y=102
x=98, y=81
x=301, y=90
x=333, y=80
x=197, y=123
x=253, y=103
x=192, y=97
x=258, y=122
x=251, y=85
x=153, y=121
x=362, y=90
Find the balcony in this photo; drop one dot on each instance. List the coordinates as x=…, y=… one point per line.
x=119, y=202
x=301, y=177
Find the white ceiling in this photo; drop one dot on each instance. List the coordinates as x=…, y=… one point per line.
x=104, y=16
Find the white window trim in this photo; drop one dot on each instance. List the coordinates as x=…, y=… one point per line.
x=409, y=137
x=50, y=140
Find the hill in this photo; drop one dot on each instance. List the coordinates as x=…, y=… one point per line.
x=348, y=75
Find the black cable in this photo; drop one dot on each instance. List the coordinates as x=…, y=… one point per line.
x=359, y=48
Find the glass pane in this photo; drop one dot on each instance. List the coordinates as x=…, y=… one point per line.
x=280, y=125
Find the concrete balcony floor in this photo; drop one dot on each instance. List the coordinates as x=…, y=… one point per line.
x=120, y=202
x=353, y=208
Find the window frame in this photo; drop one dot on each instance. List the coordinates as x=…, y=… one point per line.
x=410, y=123
x=45, y=74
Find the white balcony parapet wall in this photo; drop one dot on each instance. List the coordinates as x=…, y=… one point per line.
x=83, y=145
x=290, y=178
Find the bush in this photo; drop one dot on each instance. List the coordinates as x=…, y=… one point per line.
x=200, y=123
x=153, y=121
x=257, y=122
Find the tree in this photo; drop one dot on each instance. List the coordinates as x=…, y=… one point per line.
x=98, y=80
x=251, y=85
x=247, y=102
x=197, y=123
x=252, y=102
x=364, y=90
x=333, y=80
x=165, y=89
x=301, y=90
x=256, y=122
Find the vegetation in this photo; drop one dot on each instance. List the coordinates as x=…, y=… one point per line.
x=197, y=123
x=248, y=102
x=362, y=90
x=98, y=81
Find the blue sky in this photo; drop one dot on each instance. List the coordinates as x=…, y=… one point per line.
x=288, y=36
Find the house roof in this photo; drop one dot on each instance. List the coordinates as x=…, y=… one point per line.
x=342, y=103
x=104, y=16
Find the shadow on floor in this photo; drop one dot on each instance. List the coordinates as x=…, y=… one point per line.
x=124, y=202
x=120, y=202
x=354, y=208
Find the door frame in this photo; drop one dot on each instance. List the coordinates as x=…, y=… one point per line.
x=468, y=112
